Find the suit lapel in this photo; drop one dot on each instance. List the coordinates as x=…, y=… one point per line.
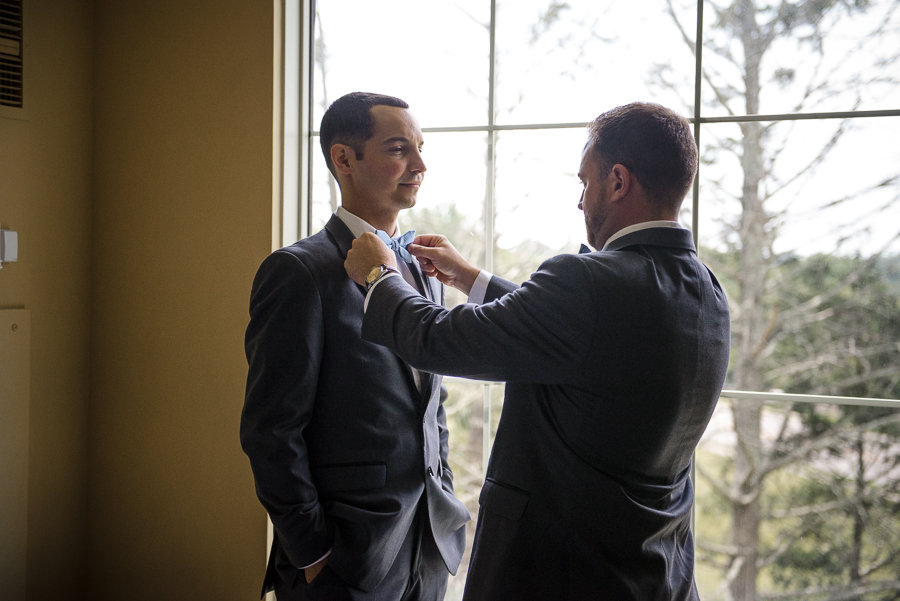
x=341, y=234
x=422, y=282
x=343, y=239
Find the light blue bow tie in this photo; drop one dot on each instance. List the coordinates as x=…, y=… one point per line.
x=398, y=245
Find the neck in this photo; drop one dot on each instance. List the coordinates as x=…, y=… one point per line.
x=388, y=224
x=380, y=221
x=643, y=211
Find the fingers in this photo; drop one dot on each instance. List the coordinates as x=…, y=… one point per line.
x=431, y=240
x=367, y=251
x=370, y=241
x=426, y=252
x=427, y=267
x=312, y=571
x=371, y=247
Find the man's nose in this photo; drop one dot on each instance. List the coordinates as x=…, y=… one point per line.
x=417, y=164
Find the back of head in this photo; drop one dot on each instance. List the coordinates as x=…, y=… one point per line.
x=654, y=143
x=349, y=121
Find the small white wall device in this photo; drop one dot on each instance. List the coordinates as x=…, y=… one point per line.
x=9, y=246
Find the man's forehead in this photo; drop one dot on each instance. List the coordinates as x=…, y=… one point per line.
x=393, y=123
x=588, y=158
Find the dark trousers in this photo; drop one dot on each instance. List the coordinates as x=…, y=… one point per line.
x=417, y=574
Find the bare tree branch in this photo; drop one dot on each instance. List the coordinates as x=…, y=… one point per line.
x=823, y=441
x=713, y=482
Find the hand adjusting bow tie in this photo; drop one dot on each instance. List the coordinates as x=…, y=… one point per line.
x=398, y=245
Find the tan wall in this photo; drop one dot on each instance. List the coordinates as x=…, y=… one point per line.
x=140, y=186
x=45, y=195
x=181, y=220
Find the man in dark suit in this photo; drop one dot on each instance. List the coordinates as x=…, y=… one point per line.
x=613, y=360
x=347, y=443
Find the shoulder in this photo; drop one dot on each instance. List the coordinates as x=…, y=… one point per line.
x=307, y=259
x=314, y=248
x=583, y=279
x=559, y=279
x=310, y=252
x=568, y=267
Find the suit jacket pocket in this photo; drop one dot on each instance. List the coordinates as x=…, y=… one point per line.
x=334, y=478
x=504, y=500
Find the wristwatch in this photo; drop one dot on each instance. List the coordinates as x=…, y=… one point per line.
x=377, y=272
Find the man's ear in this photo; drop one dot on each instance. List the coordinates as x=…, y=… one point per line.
x=342, y=157
x=621, y=181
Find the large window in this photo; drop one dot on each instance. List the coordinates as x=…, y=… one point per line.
x=796, y=107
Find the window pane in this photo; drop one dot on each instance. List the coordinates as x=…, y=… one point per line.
x=805, y=239
x=434, y=55
x=568, y=62
x=799, y=220
x=764, y=58
x=451, y=200
x=464, y=420
x=537, y=194
x=326, y=197
x=805, y=494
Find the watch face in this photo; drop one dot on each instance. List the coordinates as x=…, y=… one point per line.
x=373, y=274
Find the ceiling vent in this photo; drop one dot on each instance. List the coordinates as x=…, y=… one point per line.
x=11, y=53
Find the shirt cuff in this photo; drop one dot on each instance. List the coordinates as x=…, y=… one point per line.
x=387, y=275
x=316, y=561
x=479, y=288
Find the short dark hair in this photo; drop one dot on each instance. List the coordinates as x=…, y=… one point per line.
x=349, y=121
x=654, y=143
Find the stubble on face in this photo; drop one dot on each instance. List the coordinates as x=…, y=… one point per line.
x=593, y=196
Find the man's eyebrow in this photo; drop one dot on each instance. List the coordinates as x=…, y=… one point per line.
x=400, y=139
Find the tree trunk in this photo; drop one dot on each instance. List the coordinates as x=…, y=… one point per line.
x=859, y=517
x=750, y=323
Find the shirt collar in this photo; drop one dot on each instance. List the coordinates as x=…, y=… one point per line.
x=356, y=225
x=640, y=226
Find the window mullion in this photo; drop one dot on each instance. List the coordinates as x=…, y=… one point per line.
x=489, y=210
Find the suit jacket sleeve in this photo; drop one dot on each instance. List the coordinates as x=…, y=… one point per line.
x=535, y=333
x=284, y=343
x=498, y=287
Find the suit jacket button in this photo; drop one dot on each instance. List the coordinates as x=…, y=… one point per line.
x=430, y=471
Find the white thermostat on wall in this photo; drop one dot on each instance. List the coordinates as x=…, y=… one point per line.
x=9, y=246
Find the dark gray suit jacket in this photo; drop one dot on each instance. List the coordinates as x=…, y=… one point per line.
x=614, y=361
x=341, y=443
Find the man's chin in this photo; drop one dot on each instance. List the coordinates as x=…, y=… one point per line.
x=408, y=202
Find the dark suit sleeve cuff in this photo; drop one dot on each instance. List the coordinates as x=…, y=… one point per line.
x=382, y=303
